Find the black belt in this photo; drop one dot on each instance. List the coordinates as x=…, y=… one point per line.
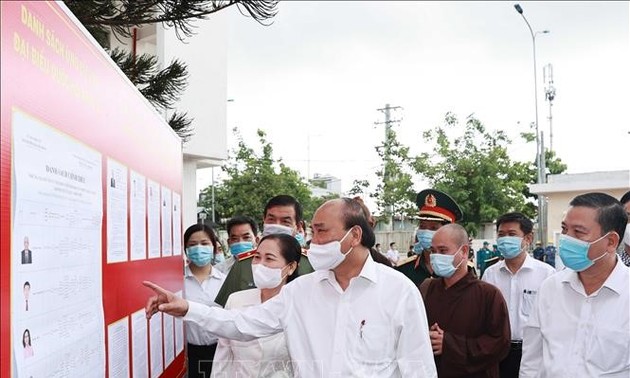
x=516, y=344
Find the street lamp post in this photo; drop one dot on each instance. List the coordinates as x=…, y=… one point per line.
x=540, y=153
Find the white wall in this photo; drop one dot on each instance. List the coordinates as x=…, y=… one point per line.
x=205, y=97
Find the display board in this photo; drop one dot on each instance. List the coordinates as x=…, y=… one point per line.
x=90, y=206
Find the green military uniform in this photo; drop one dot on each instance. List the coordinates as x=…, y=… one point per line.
x=240, y=276
x=416, y=270
x=482, y=255
x=433, y=206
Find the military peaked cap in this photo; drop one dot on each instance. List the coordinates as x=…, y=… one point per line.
x=434, y=205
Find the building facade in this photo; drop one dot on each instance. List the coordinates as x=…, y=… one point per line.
x=204, y=99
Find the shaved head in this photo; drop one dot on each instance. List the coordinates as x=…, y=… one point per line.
x=454, y=232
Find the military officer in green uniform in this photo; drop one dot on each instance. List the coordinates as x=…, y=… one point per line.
x=282, y=214
x=484, y=256
x=435, y=210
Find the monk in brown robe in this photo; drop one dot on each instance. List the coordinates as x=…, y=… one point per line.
x=468, y=318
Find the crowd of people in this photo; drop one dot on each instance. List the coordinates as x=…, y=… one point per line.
x=336, y=306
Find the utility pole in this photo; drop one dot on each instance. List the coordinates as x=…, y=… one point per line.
x=550, y=95
x=387, y=111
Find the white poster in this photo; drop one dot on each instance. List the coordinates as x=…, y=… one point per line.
x=179, y=331
x=57, y=310
x=177, y=224
x=155, y=346
x=167, y=240
x=139, y=345
x=116, y=212
x=138, y=216
x=118, y=348
x=153, y=218
x=169, y=340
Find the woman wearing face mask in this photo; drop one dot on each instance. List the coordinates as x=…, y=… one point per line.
x=274, y=265
x=201, y=284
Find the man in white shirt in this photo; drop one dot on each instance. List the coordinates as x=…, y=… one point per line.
x=392, y=254
x=518, y=277
x=352, y=317
x=580, y=323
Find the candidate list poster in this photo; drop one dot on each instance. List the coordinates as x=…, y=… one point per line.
x=57, y=311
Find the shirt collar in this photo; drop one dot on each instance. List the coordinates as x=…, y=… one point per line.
x=527, y=264
x=617, y=281
x=214, y=273
x=368, y=271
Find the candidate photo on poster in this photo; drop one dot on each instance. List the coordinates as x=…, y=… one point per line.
x=26, y=341
x=27, y=254
x=27, y=291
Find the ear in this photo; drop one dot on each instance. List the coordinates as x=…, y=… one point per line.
x=256, y=241
x=529, y=238
x=613, y=240
x=357, y=232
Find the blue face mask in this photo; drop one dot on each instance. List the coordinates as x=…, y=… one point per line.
x=219, y=258
x=509, y=246
x=200, y=255
x=300, y=238
x=574, y=252
x=443, y=264
x=240, y=247
x=424, y=240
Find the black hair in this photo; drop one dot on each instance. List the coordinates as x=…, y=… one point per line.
x=201, y=227
x=392, y=243
x=289, y=248
x=625, y=198
x=239, y=220
x=29, y=337
x=611, y=216
x=527, y=226
x=26, y=284
x=285, y=200
x=354, y=215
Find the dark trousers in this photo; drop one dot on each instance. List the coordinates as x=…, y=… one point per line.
x=200, y=360
x=509, y=367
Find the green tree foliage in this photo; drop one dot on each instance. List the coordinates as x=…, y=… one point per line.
x=473, y=166
x=162, y=87
x=255, y=177
x=394, y=193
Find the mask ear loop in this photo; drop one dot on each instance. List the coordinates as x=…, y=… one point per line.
x=603, y=254
x=462, y=260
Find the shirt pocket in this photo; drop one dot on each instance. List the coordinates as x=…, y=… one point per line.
x=529, y=297
x=372, y=346
x=610, y=350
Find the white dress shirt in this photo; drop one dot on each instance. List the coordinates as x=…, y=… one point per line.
x=203, y=292
x=571, y=334
x=377, y=327
x=519, y=290
x=264, y=358
x=393, y=256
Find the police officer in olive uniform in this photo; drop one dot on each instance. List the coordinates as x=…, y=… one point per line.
x=282, y=214
x=435, y=210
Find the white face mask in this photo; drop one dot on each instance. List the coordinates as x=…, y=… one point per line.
x=269, y=229
x=327, y=256
x=626, y=235
x=265, y=277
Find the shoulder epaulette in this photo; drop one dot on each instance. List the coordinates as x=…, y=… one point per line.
x=246, y=255
x=407, y=260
